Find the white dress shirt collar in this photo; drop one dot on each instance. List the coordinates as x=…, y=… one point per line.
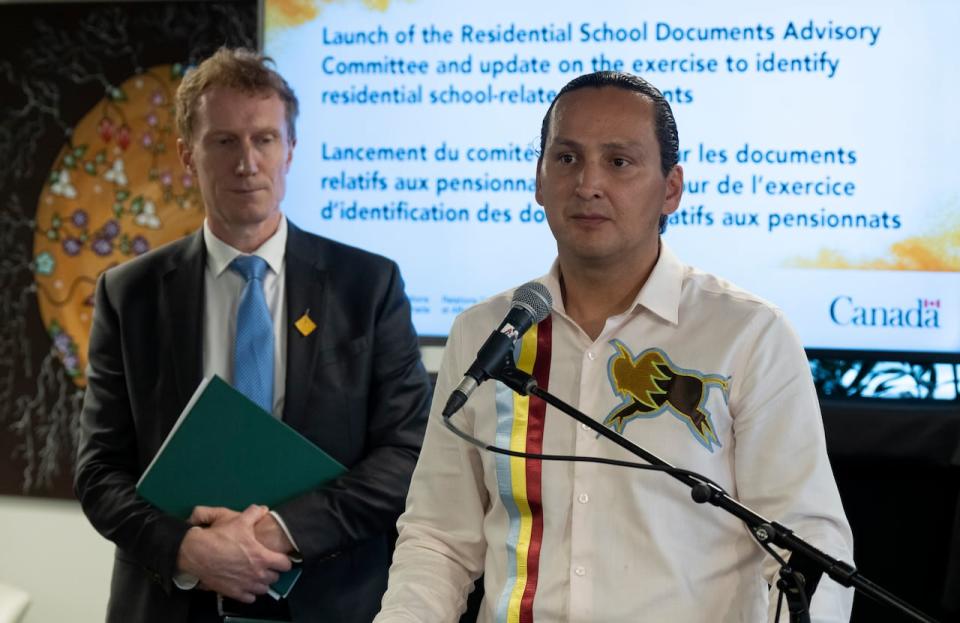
x=660, y=294
x=220, y=254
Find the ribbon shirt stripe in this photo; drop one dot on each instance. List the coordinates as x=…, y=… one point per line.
x=520, y=426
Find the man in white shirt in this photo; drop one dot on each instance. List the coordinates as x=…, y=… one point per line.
x=344, y=370
x=707, y=376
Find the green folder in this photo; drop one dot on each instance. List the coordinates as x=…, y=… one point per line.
x=224, y=450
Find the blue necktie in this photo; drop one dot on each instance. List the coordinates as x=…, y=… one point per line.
x=253, y=349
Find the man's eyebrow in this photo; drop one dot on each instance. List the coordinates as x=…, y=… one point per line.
x=623, y=145
x=218, y=132
x=567, y=142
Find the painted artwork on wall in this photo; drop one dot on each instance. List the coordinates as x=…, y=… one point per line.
x=90, y=179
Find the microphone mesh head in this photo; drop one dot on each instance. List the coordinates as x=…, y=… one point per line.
x=534, y=296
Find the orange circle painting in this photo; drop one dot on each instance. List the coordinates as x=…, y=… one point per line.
x=116, y=190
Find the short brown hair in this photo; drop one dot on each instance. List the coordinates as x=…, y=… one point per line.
x=237, y=68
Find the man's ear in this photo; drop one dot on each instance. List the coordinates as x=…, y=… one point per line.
x=674, y=191
x=186, y=155
x=538, y=194
x=293, y=144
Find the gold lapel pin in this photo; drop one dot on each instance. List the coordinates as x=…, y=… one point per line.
x=305, y=325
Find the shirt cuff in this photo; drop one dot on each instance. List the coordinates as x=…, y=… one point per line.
x=295, y=556
x=185, y=581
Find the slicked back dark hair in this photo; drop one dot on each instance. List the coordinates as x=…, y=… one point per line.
x=664, y=124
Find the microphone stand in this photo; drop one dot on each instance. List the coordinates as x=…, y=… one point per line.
x=766, y=532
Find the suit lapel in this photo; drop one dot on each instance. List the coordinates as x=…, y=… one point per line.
x=181, y=298
x=306, y=285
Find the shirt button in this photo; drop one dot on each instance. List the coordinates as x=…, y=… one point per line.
x=580, y=571
x=584, y=427
x=583, y=498
x=591, y=355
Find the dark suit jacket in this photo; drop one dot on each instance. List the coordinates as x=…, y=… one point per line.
x=355, y=387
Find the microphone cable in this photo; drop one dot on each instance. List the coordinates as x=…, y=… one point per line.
x=579, y=459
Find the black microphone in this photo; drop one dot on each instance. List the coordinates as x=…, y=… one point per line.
x=531, y=303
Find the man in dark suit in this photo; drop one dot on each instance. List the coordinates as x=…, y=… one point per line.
x=346, y=372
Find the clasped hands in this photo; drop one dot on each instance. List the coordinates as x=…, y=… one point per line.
x=238, y=555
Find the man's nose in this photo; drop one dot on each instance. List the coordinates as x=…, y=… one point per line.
x=247, y=164
x=590, y=181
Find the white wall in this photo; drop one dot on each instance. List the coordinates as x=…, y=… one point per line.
x=48, y=549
